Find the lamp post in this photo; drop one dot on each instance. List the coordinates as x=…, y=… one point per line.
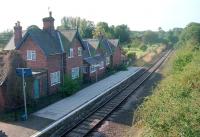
x=24, y=93
x=24, y=72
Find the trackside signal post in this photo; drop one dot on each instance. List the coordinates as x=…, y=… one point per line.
x=24, y=72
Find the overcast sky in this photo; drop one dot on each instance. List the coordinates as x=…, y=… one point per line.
x=137, y=14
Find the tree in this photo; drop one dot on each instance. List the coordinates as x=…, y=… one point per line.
x=191, y=32
x=150, y=37
x=123, y=33
x=85, y=27
x=102, y=28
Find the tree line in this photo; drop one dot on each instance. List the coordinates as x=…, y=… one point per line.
x=88, y=29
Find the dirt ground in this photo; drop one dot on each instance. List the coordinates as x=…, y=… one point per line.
x=24, y=128
x=121, y=122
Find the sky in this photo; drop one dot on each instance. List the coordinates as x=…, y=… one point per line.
x=137, y=14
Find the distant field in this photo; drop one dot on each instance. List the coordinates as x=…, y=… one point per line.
x=139, y=53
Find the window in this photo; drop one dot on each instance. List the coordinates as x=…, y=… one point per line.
x=71, y=53
x=55, y=78
x=84, y=69
x=31, y=55
x=107, y=60
x=92, y=68
x=75, y=73
x=101, y=65
x=79, y=51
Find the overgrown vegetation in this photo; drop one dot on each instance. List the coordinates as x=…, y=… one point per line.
x=173, y=109
x=70, y=86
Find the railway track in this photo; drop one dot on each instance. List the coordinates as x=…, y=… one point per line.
x=92, y=121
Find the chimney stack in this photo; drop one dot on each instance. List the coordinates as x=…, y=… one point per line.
x=17, y=33
x=48, y=23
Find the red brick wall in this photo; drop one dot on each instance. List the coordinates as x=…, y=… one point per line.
x=76, y=61
x=51, y=63
x=40, y=57
x=117, y=57
x=54, y=65
x=100, y=74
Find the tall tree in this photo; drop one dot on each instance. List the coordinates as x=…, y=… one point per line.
x=85, y=27
x=123, y=33
x=102, y=28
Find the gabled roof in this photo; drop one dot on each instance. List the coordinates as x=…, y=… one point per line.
x=90, y=54
x=93, y=42
x=67, y=37
x=89, y=51
x=115, y=42
x=106, y=46
x=11, y=44
x=94, y=60
x=69, y=34
x=49, y=43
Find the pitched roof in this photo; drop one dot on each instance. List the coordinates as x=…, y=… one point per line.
x=93, y=42
x=106, y=46
x=90, y=54
x=67, y=37
x=89, y=51
x=11, y=44
x=3, y=66
x=9, y=61
x=94, y=60
x=115, y=42
x=49, y=43
x=69, y=34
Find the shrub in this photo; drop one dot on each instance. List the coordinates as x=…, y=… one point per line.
x=181, y=61
x=121, y=67
x=70, y=86
x=131, y=56
x=143, y=47
x=173, y=109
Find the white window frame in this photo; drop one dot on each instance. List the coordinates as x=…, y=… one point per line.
x=31, y=55
x=92, y=68
x=101, y=65
x=84, y=69
x=107, y=60
x=79, y=51
x=71, y=53
x=75, y=73
x=55, y=78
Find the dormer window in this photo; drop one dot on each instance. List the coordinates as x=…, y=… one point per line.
x=71, y=53
x=79, y=51
x=31, y=55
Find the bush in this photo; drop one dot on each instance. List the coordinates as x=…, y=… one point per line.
x=70, y=86
x=173, y=109
x=121, y=67
x=131, y=56
x=181, y=61
x=143, y=47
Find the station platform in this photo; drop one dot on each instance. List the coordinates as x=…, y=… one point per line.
x=68, y=104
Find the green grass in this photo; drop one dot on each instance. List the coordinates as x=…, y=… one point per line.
x=173, y=109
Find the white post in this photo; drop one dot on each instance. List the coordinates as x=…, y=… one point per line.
x=23, y=82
